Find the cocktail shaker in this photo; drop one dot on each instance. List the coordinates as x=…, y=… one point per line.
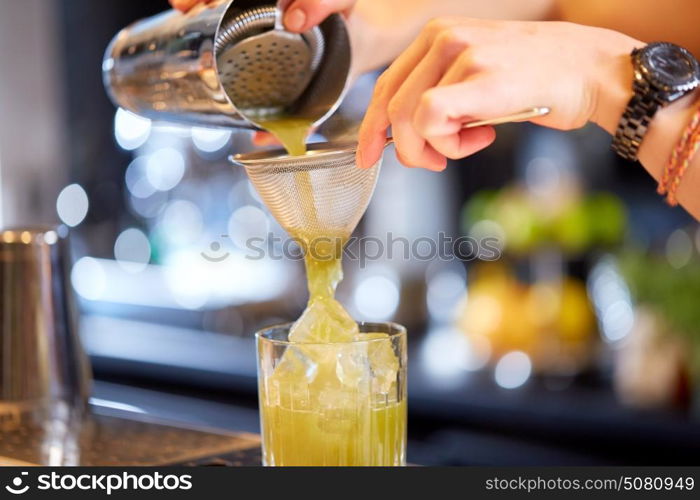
x=42, y=363
x=181, y=66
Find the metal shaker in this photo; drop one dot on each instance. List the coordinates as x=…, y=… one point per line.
x=42, y=363
x=194, y=68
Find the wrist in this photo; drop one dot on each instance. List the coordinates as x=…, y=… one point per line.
x=665, y=130
x=612, y=80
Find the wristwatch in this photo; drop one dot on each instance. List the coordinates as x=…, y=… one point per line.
x=663, y=73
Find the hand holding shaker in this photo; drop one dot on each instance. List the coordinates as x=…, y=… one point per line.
x=229, y=63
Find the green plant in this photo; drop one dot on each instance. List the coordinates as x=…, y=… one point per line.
x=672, y=293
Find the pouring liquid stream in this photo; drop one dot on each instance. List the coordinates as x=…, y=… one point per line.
x=322, y=392
x=325, y=319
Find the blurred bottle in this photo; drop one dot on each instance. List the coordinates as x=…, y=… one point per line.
x=43, y=364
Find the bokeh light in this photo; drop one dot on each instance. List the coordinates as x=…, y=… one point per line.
x=679, y=249
x=513, y=370
x=210, y=140
x=181, y=223
x=165, y=168
x=136, y=178
x=376, y=296
x=246, y=223
x=445, y=290
x=72, y=205
x=612, y=300
x=196, y=282
x=131, y=130
x=50, y=237
x=447, y=354
x=149, y=207
x=444, y=355
x=542, y=174
x=89, y=279
x=132, y=250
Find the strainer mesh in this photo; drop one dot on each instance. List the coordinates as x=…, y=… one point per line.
x=316, y=195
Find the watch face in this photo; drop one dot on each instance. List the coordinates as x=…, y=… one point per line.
x=670, y=65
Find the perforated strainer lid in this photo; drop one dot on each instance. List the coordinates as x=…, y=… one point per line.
x=263, y=68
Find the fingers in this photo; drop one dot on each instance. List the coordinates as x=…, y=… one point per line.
x=264, y=139
x=463, y=67
x=185, y=5
x=371, y=139
x=428, y=94
x=415, y=151
x=302, y=15
x=438, y=164
x=435, y=44
x=464, y=142
x=443, y=110
x=438, y=120
x=372, y=134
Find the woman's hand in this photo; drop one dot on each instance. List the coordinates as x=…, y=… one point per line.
x=463, y=69
x=299, y=15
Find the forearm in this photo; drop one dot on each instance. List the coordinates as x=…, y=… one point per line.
x=649, y=20
x=382, y=29
x=665, y=130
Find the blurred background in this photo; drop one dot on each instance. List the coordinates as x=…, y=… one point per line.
x=578, y=344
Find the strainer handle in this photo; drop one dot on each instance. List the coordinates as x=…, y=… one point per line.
x=246, y=160
x=526, y=114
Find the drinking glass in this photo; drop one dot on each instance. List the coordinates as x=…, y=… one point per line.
x=333, y=404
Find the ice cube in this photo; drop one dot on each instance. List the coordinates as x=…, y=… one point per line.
x=288, y=386
x=297, y=364
x=324, y=320
x=384, y=364
x=339, y=409
x=352, y=365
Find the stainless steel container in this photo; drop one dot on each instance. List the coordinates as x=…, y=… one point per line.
x=165, y=67
x=42, y=364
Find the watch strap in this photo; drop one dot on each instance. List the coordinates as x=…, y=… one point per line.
x=634, y=122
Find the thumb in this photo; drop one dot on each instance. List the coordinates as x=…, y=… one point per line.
x=302, y=15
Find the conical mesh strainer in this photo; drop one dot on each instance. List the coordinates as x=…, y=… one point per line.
x=320, y=195
x=323, y=194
